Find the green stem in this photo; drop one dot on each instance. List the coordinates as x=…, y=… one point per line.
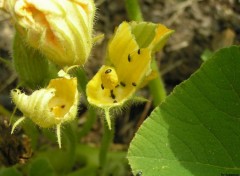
x=91, y=119
x=105, y=144
x=156, y=86
x=71, y=141
x=133, y=10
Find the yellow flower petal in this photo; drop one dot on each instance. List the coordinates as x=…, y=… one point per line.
x=130, y=62
x=122, y=44
x=65, y=98
x=162, y=35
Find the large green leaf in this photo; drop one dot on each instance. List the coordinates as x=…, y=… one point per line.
x=196, y=131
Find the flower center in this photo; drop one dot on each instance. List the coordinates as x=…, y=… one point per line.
x=59, y=106
x=109, y=78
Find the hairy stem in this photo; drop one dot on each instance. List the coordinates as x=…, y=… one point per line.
x=105, y=143
x=157, y=87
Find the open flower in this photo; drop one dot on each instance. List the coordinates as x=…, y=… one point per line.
x=51, y=106
x=129, y=57
x=60, y=29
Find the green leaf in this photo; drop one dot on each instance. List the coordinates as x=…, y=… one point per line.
x=40, y=167
x=11, y=171
x=196, y=131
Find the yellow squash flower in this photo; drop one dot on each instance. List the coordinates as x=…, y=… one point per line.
x=60, y=29
x=51, y=106
x=129, y=57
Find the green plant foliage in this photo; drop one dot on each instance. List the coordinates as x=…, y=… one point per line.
x=40, y=167
x=9, y=172
x=196, y=131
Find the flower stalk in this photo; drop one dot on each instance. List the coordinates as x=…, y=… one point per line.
x=107, y=139
x=133, y=10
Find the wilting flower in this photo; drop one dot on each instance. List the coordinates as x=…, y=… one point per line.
x=51, y=106
x=129, y=57
x=60, y=29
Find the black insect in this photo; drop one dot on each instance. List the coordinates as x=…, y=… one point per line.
x=129, y=58
x=139, y=51
x=123, y=84
x=102, y=86
x=112, y=94
x=108, y=71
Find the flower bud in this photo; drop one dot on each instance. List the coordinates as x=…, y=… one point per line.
x=62, y=29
